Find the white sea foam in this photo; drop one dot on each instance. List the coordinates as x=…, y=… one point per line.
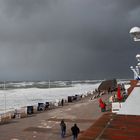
x=16, y=98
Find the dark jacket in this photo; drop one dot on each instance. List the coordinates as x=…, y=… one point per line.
x=75, y=130
x=63, y=126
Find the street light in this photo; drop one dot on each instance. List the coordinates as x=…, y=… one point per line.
x=135, y=32
x=4, y=98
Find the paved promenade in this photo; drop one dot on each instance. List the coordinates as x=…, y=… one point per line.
x=46, y=125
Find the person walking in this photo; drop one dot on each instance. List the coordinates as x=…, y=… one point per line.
x=62, y=102
x=102, y=105
x=75, y=131
x=63, y=128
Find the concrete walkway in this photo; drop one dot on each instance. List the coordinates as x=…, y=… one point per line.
x=46, y=125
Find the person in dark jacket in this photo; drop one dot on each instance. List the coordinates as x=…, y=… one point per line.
x=75, y=131
x=62, y=102
x=63, y=128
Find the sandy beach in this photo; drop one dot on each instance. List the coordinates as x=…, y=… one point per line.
x=46, y=125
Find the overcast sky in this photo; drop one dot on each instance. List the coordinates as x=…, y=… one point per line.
x=67, y=39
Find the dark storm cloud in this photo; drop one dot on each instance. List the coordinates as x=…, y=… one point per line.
x=67, y=39
x=23, y=8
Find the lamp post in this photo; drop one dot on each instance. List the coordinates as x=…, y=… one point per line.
x=138, y=65
x=136, y=76
x=135, y=33
x=4, y=98
x=137, y=69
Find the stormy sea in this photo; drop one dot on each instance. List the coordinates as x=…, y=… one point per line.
x=14, y=95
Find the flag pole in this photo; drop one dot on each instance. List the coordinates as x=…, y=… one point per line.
x=4, y=98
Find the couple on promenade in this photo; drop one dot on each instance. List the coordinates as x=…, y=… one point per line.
x=75, y=130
